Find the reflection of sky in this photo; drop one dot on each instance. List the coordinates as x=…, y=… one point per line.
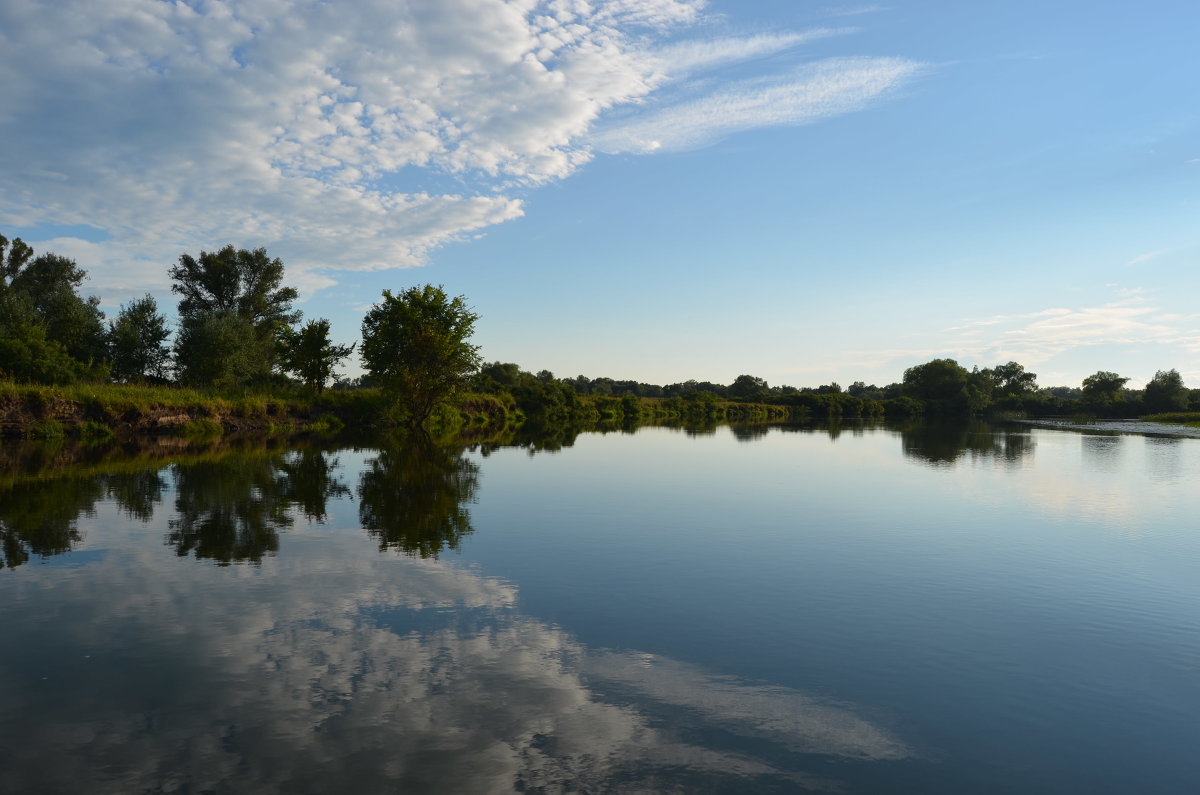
x=331, y=667
x=649, y=612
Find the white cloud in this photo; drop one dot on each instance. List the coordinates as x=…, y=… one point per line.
x=854, y=11
x=1149, y=255
x=306, y=126
x=683, y=58
x=827, y=88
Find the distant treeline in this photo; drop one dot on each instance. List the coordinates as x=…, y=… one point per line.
x=237, y=330
x=940, y=387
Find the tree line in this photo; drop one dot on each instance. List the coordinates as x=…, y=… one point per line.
x=237, y=327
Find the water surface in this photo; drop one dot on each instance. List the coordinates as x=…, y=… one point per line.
x=942, y=610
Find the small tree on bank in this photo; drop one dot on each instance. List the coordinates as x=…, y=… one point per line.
x=415, y=345
x=308, y=353
x=137, y=342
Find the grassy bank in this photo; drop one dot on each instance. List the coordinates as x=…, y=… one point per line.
x=1189, y=418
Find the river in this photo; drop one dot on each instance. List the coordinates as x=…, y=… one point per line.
x=932, y=609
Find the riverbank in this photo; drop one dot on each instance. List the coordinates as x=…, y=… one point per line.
x=101, y=411
x=1126, y=426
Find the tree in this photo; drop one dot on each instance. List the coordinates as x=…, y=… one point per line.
x=236, y=295
x=1165, y=392
x=48, y=332
x=309, y=354
x=945, y=387
x=222, y=348
x=136, y=342
x=1103, y=387
x=1012, y=379
x=747, y=386
x=416, y=345
x=25, y=352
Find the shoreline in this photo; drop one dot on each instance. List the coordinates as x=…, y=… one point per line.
x=1127, y=426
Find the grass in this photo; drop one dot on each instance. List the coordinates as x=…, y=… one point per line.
x=1189, y=418
x=92, y=432
x=202, y=428
x=49, y=430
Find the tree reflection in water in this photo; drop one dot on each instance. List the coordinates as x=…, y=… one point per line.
x=231, y=510
x=412, y=497
x=942, y=444
x=40, y=517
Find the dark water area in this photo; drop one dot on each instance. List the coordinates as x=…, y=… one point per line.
x=932, y=609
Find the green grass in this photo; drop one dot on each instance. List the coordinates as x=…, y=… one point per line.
x=1189, y=418
x=202, y=428
x=92, y=432
x=50, y=430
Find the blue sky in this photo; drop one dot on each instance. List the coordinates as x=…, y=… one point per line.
x=648, y=189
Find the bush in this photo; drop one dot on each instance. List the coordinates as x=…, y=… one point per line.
x=203, y=428
x=94, y=432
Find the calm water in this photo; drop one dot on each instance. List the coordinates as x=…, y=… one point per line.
x=955, y=610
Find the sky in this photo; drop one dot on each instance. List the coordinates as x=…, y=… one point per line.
x=658, y=190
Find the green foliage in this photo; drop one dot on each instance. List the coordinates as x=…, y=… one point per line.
x=230, y=314
x=326, y=424
x=1011, y=379
x=48, y=333
x=1103, y=388
x=945, y=388
x=416, y=345
x=309, y=354
x=747, y=386
x=137, y=342
x=94, y=432
x=1165, y=392
x=222, y=349
x=1176, y=418
x=25, y=351
x=201, y=428
x=49, y=430
x=50, y=283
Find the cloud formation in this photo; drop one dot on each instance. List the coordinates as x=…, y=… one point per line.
x=357, y=135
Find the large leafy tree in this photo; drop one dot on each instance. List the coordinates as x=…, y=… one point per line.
x=308, y=353
x=1166, y=392
x=222, y=348
x=416, y=345
x=48, y=332
x=1012, y=379
x=945, y=387
x=747, y=386
x=137, y=342
x=1103, y=388
x=231, y=311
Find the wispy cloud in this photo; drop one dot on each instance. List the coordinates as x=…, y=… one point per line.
x=1149, y=255
x=818, y=91
x=684, y=58
x=854, y=11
